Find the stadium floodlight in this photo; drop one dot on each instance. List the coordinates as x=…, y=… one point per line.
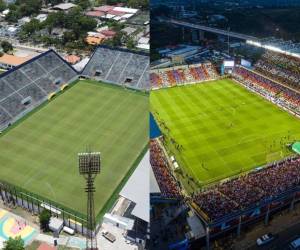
x=89, y=163
x=272, y=48
x=89, y=167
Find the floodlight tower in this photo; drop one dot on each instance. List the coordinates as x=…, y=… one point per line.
x=89, y=167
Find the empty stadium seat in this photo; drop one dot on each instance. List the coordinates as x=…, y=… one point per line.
x=119, y=66
x=28, y=85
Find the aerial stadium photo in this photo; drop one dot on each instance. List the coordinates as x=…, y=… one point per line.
x=74, y=124
x=224, y=127
x=52, y=115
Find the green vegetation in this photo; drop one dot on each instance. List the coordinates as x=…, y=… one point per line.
x=40, y=153
x=74, y=24
x=142, y=4
x=6, y=46
x=14, y=244
x=44, y=218
x=223, y=128
x=23, y=8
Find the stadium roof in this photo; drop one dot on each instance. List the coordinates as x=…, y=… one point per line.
x=296, y=147
x=139, y=181
x=154, y=188
x=80, y=65
x=278, y=45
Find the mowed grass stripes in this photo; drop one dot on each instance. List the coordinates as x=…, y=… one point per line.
x=40, y=153
x=224, y=129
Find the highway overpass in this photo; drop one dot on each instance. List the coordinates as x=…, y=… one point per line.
x=210, y=29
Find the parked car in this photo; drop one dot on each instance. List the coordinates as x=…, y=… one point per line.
x=265, y=239
x=295, y=244
x=107, y=235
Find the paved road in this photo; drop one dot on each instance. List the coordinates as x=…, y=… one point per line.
x=286, y=225
x=282, y=239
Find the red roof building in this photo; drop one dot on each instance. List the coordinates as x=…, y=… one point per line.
x=108, y=33
x=95, y=13
x=104, y=8
x=72, y=59
x=116, y=13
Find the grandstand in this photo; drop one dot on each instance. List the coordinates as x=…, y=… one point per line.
x=119, y=66
x=167, y=182
x=169, y=77
x=276, y=92
x=25, y=87
x=280, y=67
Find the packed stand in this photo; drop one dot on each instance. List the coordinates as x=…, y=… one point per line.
x=280, y=67
x=268, y=88
x=183, y=74
x=215, y=204
x=168, y=185
x=249, y=190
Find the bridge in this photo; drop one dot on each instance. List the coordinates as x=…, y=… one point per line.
x=211, y=29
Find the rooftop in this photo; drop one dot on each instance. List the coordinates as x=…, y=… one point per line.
x=13, y=60
x=72, y=59
x=139, y=180
x=64, y=6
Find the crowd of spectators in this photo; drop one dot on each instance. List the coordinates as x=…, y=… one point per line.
x=280, y=67
x=182, y=74
x=256, y=187
x=168, y=185
x=268, y=88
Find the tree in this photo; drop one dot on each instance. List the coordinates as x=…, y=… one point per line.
x=131, y=43
x=29, y=7
x=23, y=8
x=56, y=19
x=12, y=16
x=44, y=217
x=143, y=4
x=30, y=28
x=84, y=4
x=115, y=25
x=6, y=46
x=53, y=2
x=2, y=5
x=14, y=244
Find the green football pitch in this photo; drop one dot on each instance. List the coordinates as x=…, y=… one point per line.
x=222, y=129
x=39, y=154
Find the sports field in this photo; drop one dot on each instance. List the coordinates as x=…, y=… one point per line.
x=219, y=129
x=40, y=153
